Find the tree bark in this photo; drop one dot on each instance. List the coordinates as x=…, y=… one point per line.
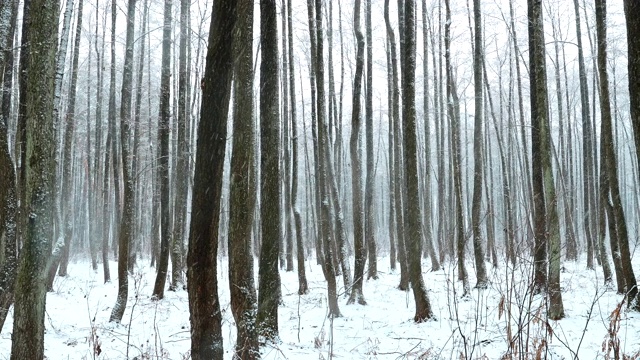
x=163, y=165
x=67, y=196
x=356, y=165
x=413, y=229
x=303, y=288
x=204, y=306
x=125, y=233
x=241, y=283
x=41, y=32
x=270, y=209
x=478, y=151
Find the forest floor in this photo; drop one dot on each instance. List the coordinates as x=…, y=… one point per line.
x=465, y=328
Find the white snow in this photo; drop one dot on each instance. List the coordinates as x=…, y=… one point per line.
x=78, y=312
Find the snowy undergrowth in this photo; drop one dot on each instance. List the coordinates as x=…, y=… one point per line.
x=502, y=319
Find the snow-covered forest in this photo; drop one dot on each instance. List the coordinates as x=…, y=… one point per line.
x=355, y=179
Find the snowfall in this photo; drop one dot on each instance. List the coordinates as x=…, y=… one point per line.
x=476, y=327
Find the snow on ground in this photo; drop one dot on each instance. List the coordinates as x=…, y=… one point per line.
x=474, y=328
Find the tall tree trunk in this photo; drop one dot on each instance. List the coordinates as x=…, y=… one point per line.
x=631, y=10
x=163, y=166
x=102, y=161
x=125, y=233
x=182, y=167
x=270, y=209
x=397, y=160
x=546, y=214
x=454, y=118
x=428, y=221
x=525, y=153
x=286, y=148
x=587, y=147
x=303, y=288
x=41, y=33
x=69, y=135
x=537, y=70
x=478, y=151
x=369, y=231
x=204, y=306
x=323, y=160
x=356, y=164
x=8, y=195
x=241, y=283
x=413, y=230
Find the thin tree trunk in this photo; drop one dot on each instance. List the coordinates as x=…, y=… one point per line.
x=478, y=151
x=587, y=162
x=303, y=288
x=369, y=233
x=124, y=236
x=413, y=229
x=397, y=160
x=69, y=136
x=163, y=166
x=356, y=164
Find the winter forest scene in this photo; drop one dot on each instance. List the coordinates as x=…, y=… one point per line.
x=319, y=179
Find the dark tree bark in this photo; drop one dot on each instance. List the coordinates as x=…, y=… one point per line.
x=478, y=151
x=288, y=220
x=269, y=277
x=369, y=231
x=303, y=288
x=40, y=31
x=393, y=252
x=126, y=225
x=547, y=229
x=241, y=282
x=356, y=165
x=182, y=167
x=204, y=306
x=413, y=229
x=397, y=154
x=163, y=166
x=632, y=11
x=536, y=71
x=8, y=195
x=322, y=161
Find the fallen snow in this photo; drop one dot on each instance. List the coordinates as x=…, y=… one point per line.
x=81, y=304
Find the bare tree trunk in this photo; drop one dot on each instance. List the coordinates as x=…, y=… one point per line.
x=356, y=165
x=478, y=151
x=69, y=136
x=30, y=294
x=397, y=156
x=587, y=162
x=124, y=236
x=369, y=233
x=163, y=166
x=413, y=229
x=270, y=208
x=204, y=305
x=454, y=116
x=241, y=282
x=322, y=164
x=303, y=288
x=428, y=221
